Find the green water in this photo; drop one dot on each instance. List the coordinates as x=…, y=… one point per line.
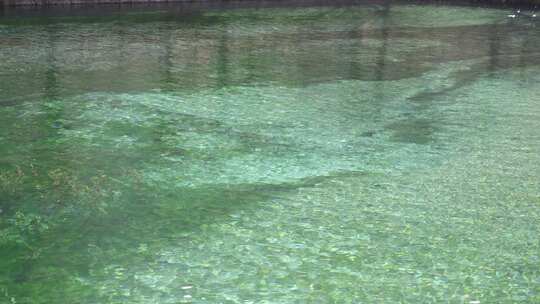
x=365, y=154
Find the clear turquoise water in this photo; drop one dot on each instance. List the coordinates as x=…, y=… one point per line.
x=365, y=154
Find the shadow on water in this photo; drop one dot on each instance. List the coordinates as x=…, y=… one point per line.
x=156, y=217
x=413, y=130
x=222, y=59
x=167, y=41
x=508, y=48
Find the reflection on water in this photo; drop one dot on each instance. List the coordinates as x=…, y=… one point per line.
x=333, y=154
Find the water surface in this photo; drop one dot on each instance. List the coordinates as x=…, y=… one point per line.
x=353, y=154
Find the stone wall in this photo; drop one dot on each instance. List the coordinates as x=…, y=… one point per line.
x=12, y=3
x=74, y=2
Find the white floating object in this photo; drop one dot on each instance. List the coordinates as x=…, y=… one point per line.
x=186, y=287
x=512, y=16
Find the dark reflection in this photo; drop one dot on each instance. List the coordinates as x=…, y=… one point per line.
x=380, y=66
x=381, y=61
x=51, y=87
x=510, y=44
x=222, y=59
x=493, y=53
x=301, y=55
x=528, y=43
x=167, y=41
x=354, y=67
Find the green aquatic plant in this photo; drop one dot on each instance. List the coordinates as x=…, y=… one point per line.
x=23, y=228
x=11, y=181
x=64, y=187
x=62, y=194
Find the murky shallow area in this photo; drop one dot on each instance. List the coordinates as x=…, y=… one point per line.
x=362, y=154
